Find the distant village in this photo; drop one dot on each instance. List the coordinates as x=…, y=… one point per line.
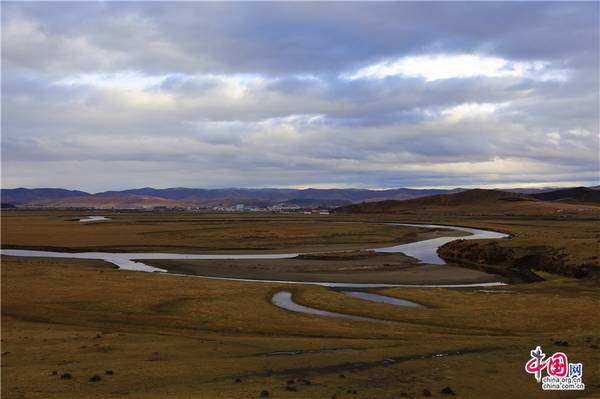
x=279, y=208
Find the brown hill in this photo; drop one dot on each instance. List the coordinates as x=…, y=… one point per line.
x=469, y=198
x=182, y=197
x=117, y=201
x=186, y=197
x=576, y=194
x=475, y=196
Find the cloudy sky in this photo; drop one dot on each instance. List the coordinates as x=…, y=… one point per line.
x=111, y=95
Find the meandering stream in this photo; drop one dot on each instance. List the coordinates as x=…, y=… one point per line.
x=425, y=251
x=283, y=299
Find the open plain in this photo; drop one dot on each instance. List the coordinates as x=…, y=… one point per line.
x=82, y=329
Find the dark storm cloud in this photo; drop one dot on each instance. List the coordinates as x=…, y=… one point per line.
x=264, y=94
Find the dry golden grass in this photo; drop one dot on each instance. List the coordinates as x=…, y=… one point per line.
x=192, y=232
x=167, y=336
x=380, y=268
x=179, y=337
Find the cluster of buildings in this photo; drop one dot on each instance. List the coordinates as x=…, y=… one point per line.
x=280, y=208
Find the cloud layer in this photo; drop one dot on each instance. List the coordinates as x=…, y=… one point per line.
x=117, y=95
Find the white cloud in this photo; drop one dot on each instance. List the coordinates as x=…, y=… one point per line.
x=448, y=66
x=579, y=132
x=470, y=111
x=553, y=138
x=126, y=80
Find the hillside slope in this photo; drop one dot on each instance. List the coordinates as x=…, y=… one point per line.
x=184, y=197
x=38, y=196
x=473, y=198
x=576, y=194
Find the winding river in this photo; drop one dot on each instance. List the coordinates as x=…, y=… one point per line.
x=425, y=251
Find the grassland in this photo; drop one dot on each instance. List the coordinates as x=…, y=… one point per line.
x=194, y=232
x=378, y=268
x=179, y=337
x=163, y=336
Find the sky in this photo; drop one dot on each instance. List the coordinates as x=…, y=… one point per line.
x=115, y=95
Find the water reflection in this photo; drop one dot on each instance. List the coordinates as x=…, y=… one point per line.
x=424, y=251
x=283, y=299
x=382, y=299
x=93, y=219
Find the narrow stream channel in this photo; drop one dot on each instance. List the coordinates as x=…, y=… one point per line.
x=367, y=296
x=283, y=299
x=94, y=219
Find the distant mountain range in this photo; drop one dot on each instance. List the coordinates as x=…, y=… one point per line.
x=196, y=197
x=259, y=197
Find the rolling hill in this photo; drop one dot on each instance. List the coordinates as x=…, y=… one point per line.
x=576, y=194
x=474, y=197
x=365, y=200
x=35, y=196
x=191, y=197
